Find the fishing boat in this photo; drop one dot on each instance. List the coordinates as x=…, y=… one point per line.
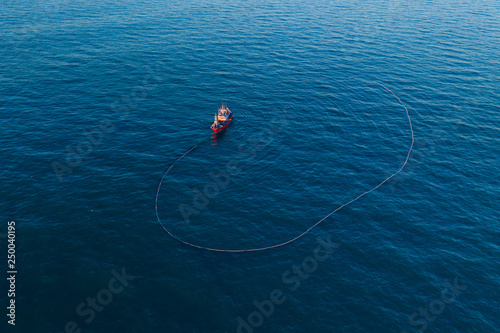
x=222, y=119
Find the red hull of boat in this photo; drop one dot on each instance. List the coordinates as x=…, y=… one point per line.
x=217, y=130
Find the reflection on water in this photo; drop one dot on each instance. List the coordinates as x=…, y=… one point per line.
x=216, y=137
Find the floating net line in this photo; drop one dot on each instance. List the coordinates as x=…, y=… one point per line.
x=308, y=229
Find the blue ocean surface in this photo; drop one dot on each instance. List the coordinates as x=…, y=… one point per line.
x=98, y=99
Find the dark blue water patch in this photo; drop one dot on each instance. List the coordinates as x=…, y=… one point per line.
x=158, y=71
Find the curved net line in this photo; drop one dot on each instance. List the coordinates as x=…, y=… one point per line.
x=311, y=227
